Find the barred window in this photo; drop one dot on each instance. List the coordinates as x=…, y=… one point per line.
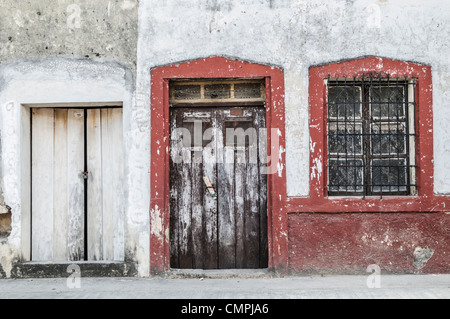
x=371, y=136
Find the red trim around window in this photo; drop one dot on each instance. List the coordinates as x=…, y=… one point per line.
x=318, y=201
x=210, y=68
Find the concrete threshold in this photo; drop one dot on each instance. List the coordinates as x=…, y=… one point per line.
x=218, y=273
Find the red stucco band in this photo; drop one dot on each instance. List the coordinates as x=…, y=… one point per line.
x=349, y=243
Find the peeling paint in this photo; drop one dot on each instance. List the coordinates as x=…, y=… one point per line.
x=156, y=223
x=422, y=256
x=316, y=170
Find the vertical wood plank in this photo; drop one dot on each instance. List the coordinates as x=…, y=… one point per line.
x=185, y=217
x=42, y=184
x=210, y=205
x=198, y=198
x=239, y=182
x=263, y=213
x=116, y=142
x=175, y=177
x=107, y=160
x=60, y=183
x=75, y=185
x=197, y=216
x=252, y=220
x=95, y=196
x=226, y=202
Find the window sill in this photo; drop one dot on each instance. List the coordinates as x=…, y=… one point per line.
x=388, y=204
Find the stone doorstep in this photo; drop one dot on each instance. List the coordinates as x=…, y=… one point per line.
x=63, y=269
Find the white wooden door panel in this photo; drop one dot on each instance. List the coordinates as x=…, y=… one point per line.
x=59, y=152
x=75, y=185
x=105, y=165
x=42, y=187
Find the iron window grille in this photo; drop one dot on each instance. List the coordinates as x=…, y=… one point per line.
x=371, y=136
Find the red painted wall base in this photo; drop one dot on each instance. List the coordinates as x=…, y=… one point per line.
x=349, y=243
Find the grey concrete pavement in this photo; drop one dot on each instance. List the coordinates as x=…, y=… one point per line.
x=328, y=287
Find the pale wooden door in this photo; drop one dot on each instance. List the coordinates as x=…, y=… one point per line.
x=229, y=230
x=77, y=216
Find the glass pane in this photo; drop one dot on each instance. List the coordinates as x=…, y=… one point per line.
x=345, y=138
x=345, y=175
x=388, y=102
x=247, y=91
x=344, y=102
x=218, y=91
x=186, y=92
x=388, y=139
x=389, y=175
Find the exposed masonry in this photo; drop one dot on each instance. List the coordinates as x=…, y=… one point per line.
x=422, y=256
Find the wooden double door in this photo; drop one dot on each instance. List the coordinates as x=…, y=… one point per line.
x=76, y=183
x=218, y=189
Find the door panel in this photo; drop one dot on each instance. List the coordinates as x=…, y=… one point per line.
x=75, y=184
x=229, y=231
x=193, y=228
x=42, y=175
x=105, y=209
x=58, y=188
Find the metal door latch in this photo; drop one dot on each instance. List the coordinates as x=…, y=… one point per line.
x=85, y=175
x=210, y=187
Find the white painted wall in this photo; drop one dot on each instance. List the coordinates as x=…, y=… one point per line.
x=296, y=34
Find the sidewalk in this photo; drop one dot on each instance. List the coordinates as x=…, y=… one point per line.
x=329, y=287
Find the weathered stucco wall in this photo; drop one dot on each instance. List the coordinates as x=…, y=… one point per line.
x=296, y=34
x=104, y=30
x=69, y=51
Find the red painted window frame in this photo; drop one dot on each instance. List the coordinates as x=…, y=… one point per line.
x=319, y=201
x=212, y=68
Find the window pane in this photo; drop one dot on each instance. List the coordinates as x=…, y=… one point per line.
x=388, y=139
x=186, y=92
x=389, y=175
x=345, y=175
x=218, y=91
x=344, y=102
x=388, y=102
x=345, y=138
x=247, y=90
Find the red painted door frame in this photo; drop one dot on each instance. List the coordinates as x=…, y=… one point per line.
x=214, y=68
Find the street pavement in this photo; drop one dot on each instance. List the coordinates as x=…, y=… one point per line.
x=307, y=287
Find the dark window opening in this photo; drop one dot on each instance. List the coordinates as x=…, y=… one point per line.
x=371, y=136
